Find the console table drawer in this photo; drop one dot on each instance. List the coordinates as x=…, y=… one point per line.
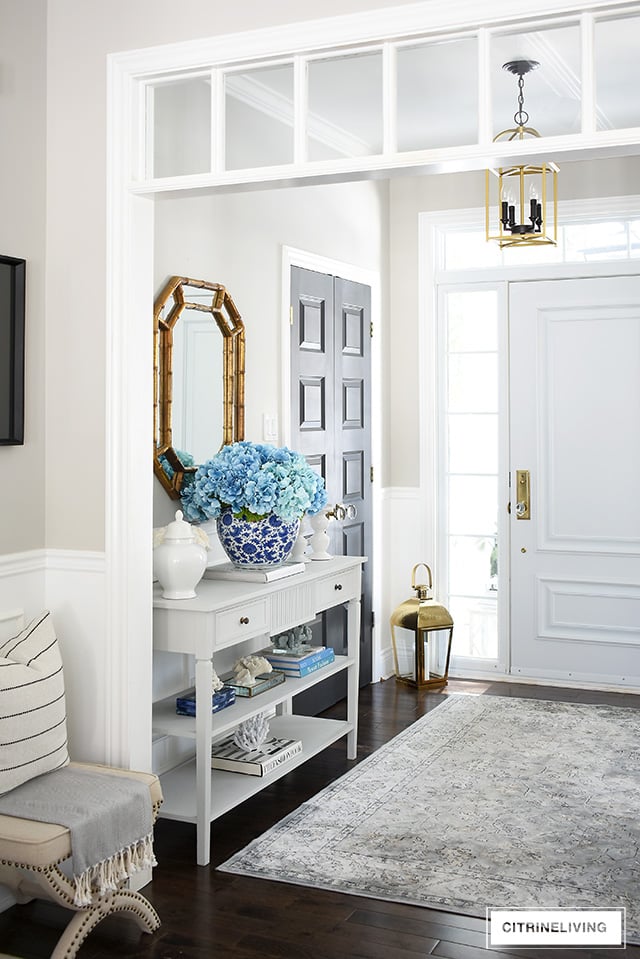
x=337, y=589
x=244, y=622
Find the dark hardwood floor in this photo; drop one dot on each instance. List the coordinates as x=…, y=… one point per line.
x=206, y=913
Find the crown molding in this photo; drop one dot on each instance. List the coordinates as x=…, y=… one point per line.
x=389, y=23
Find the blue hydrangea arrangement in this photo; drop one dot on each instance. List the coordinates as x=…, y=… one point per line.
x=253, y=480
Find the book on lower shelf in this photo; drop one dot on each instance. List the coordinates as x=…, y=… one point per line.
x=186, y=702
x=262, y=683
x=259, y=762
x=294, y=664
x=229, y=571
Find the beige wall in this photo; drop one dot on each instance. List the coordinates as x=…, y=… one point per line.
x=81, y=34
x=22, y=234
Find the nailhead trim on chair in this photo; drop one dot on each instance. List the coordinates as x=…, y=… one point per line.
x=59, y=889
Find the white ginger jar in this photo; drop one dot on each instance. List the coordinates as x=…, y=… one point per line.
x=179, y=560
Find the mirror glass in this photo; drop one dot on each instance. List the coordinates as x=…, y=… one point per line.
x=198, y=377
x=198, y=391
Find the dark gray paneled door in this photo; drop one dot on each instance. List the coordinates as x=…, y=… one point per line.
x=331, y=425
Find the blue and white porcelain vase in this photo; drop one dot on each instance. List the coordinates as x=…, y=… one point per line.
x=262, y=544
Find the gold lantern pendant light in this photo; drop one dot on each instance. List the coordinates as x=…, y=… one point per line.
x=527, y=197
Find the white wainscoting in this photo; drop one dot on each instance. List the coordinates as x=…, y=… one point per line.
x=404, y=538
x=75, y=594
x=71, y=584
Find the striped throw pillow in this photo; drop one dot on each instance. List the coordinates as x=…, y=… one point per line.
x=33, y=726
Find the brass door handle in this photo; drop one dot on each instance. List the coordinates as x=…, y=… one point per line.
x=523, y=494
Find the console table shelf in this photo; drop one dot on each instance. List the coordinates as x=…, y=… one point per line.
x=229, y=789
x=222, y=615
x=166, y=721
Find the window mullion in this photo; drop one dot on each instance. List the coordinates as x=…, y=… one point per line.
x=390, y=98
x=588, y=91
x=300, y=109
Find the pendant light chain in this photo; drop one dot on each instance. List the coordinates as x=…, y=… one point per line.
x=521, y=117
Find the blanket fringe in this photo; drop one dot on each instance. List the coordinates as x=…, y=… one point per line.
x=108, y=875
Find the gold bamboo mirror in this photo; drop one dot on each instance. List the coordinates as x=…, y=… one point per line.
x=198, y=382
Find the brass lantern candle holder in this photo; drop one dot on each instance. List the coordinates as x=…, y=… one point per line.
x=432, y=628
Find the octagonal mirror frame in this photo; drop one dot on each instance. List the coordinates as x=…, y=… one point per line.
x=168, y=308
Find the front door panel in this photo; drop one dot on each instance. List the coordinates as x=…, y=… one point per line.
x=575, y=427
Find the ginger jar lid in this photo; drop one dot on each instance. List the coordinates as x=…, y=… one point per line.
x=179, y=530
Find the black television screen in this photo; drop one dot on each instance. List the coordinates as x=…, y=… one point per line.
x=12, y=283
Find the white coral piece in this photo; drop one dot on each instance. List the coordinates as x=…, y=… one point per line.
x=247, y=668
x=251, y=734
x=216, y=682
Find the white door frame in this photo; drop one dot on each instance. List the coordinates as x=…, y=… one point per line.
x=431, y=278
x=348, y=271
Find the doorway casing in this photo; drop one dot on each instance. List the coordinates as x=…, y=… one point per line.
x=129, y=274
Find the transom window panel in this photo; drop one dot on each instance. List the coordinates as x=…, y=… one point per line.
x=582, y=242
x=437, y=96
x=552, y=92
x=344, y=106
x=617, y=70
x=181, y=126
x=259, y=117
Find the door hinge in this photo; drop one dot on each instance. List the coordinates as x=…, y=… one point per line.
x=371, y=328
x=371, y=474
x=291, y=316
x=373, y=619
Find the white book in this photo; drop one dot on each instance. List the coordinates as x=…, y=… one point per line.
x=229, y=571
x=259, y=762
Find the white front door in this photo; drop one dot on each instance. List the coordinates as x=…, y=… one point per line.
x=575, y=426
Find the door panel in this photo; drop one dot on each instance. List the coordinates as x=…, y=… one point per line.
x=331, y=425
x=575, y=409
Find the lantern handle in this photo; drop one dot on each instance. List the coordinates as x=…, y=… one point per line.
x=421, y=588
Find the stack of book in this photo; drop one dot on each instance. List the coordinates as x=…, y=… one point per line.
x=230, y=572
x=262, y=683
x=301, y=663
x=186, y=702
x=259, y=762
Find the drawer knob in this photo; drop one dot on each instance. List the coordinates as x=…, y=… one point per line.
x=244, y=620
x=338, y=586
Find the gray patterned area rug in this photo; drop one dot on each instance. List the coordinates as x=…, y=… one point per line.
x=484, y=802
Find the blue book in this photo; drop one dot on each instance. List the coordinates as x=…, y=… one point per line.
x=285, y=659
x=186, y=703
x=304, y=668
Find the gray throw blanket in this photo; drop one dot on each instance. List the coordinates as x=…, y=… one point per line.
x=109, y=817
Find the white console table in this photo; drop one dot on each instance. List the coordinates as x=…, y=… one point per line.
x=222, y=615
